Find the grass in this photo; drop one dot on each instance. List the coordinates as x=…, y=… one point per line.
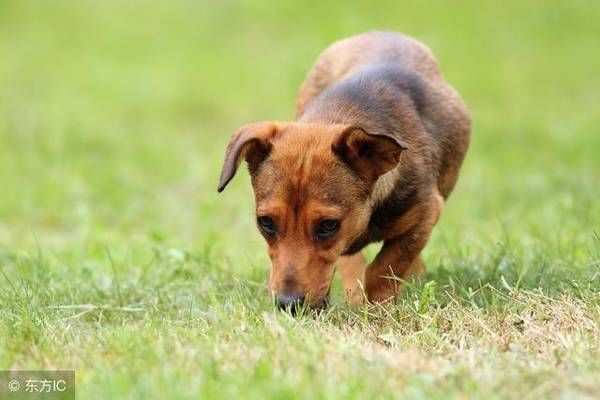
x=119, y=260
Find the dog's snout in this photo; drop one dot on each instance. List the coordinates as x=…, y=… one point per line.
x=290, y=301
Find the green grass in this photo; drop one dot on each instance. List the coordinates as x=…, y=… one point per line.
x=118, y=259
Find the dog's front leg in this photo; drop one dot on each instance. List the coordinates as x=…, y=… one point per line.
x=400, y=256
x=352, y=271
x=398, y=259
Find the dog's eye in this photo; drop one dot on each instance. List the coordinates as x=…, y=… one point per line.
x=327, y=228
x=267, y=225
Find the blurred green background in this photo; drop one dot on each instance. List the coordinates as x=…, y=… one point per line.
x=114, y=116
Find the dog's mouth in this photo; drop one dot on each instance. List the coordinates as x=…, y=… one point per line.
x=300, y=306
x=320, y=305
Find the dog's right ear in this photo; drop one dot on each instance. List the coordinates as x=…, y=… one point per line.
x=371, y=154
x=251, y=142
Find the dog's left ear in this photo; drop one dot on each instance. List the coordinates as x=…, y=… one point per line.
x=371, y=154
x=251, y=142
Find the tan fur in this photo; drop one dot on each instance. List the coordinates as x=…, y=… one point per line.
x=352, y=271
x=377, y=146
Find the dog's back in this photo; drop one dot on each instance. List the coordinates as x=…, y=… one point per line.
x=346, y=56
x=398, y=79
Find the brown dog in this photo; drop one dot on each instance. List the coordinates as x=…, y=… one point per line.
x=375, y=150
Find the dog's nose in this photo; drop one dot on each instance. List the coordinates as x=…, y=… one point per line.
x=290, y=301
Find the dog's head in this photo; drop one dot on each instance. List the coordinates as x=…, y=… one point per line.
x=312, y=184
